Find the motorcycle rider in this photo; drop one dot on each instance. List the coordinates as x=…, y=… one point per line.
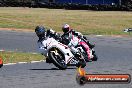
x=68, y=32
x=43, y=35
x=67, y=36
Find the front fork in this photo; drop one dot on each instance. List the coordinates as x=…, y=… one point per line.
x=77, y=61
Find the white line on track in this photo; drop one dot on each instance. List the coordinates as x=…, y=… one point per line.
x=24, y=62
x=10, y=64
x=99, y=35
x=35, y=61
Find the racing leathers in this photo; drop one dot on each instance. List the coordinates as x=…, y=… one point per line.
x=72, y=32
x=42, y=47
x=67, y=37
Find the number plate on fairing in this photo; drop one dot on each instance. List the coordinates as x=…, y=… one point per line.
x=73, y=62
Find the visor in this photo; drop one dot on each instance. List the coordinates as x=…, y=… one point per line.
x=65, y=30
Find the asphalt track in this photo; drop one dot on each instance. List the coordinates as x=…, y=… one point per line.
x=114, y=57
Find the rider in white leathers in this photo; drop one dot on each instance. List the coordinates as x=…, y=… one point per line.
x=43, y=35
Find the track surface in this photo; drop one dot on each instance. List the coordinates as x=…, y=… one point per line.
x=114, y=57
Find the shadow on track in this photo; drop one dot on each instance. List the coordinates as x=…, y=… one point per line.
x=51, y=69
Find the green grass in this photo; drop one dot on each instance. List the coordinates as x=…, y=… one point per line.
x=87, y=22
x=14, y=57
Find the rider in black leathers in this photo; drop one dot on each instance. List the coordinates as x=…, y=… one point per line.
x=68, y=32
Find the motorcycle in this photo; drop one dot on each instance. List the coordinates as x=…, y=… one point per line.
x=93, y=55
x=60, y=55
x=81, y=44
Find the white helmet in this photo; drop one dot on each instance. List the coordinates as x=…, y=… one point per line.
x=66, y=28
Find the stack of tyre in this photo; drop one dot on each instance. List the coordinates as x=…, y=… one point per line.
x=1, y=62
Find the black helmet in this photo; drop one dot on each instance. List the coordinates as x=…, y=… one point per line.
x=40, y=31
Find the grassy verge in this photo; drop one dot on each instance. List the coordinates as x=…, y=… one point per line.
x=87, y=22
x=14, y=57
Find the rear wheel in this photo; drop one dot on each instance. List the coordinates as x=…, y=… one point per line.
x=81, y=59
x=81, y=63
x=84, y=53
x=57, y=58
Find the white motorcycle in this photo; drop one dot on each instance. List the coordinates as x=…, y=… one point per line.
x=60, y=55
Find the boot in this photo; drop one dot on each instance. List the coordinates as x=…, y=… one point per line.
x=48, y=60
x=90, y=45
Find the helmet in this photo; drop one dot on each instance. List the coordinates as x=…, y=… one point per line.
x=40, y=31
x=66, y=28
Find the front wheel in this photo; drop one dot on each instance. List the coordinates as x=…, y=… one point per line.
x=81, y=60
x=57, y=58
x=95, y=57
x=84, y=53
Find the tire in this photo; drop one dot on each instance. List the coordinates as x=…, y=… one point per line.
x=81, y=59
x=85, y=54
x=95, y=57
x=1, y=63
x=82, y=64
x=58, y=60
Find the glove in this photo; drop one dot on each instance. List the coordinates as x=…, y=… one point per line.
x=80, y=36
x=77, y=54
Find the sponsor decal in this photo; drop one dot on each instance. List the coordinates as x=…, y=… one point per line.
x=83, y=78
